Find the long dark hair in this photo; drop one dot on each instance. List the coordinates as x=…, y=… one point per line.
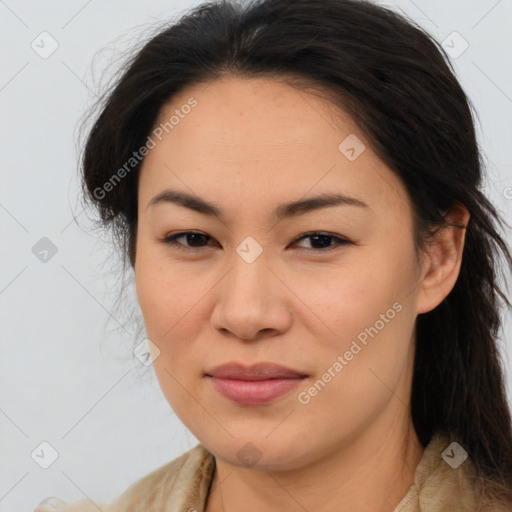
x=398, y=84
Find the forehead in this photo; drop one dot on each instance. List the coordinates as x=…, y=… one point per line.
x=253, y=117
x=236, y=139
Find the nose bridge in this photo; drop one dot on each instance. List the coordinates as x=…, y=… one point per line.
x=248, y=279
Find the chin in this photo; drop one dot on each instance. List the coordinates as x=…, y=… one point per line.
x=258, y=452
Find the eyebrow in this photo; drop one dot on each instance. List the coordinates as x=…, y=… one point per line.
x=285, y=210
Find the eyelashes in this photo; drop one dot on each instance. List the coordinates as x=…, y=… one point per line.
x=317, y=237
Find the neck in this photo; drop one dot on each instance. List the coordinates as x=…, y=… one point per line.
x=371, y=471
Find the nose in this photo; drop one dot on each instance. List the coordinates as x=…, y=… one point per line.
x=252, y=302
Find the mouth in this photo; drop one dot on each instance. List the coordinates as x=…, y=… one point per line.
x=258, y=384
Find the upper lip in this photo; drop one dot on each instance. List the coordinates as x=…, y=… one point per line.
x=258, y=371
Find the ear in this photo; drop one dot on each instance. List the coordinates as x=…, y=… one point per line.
x=442, y=260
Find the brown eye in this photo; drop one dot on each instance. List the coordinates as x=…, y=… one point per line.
x=322, y=241
x=193, y=240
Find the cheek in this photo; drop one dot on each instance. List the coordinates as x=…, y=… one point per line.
x=369, y=307
x=351, y=296
x=165, y=305
x=376, y=318
x=158, y=286
x=157, y=301
x=172, y=301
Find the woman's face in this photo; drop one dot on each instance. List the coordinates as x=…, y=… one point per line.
x=250, y=287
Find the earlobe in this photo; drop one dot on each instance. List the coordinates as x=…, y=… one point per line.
x=443, y=260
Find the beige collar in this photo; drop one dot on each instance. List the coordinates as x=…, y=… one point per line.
x=437, y=487
x=183, y=484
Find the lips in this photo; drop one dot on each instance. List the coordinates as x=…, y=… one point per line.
x=258, y=384
x=258, y=371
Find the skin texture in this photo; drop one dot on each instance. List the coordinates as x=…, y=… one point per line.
x=248, y=146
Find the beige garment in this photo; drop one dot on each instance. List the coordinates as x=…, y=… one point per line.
x=182, y=485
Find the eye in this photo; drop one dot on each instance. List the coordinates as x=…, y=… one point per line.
x=190, y=236
x=196, y=240
x=322, y=239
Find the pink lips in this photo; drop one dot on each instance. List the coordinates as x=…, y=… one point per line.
x=254, y=385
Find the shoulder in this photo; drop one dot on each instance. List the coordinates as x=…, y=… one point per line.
x=175, y=482
x=446, y=476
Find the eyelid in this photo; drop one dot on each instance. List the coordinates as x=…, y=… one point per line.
x=340, y=241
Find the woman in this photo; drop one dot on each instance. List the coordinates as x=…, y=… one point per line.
x=362, y=374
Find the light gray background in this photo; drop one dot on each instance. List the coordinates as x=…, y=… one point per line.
x=67, y=376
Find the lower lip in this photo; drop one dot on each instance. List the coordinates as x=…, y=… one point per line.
x=254, y=392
